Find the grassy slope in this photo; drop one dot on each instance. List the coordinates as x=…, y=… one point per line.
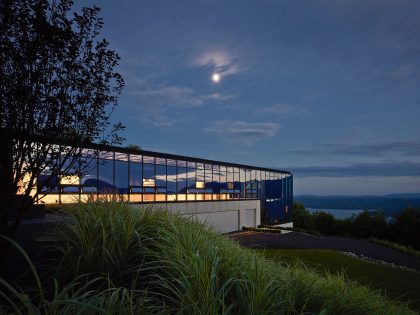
x=402, y=248
x=125, y=261
x=397, y=283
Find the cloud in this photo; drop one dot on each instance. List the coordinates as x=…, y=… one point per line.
x=221, y=62
x=218, y=97
x=383, y=169
x=160, y=105
x=179, y=96
x=409, y=148
x=280, y=110
x=243, y=131
x=134, y=81
x=165, y=105
x=355, y=185
x=160, y=119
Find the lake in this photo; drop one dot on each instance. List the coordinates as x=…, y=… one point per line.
x=340, y=213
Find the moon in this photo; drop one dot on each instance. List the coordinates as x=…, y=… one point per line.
x=216, y=77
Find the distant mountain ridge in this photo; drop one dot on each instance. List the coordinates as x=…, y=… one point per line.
x=391, y=203
x=406, y=195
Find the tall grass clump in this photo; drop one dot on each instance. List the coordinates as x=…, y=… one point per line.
x=100, y=238
x=197, y=271
x=75, y=297
x=181, y=266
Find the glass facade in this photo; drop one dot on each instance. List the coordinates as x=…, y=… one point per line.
x=144, y=176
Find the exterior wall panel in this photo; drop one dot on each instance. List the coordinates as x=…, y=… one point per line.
x=221, y=216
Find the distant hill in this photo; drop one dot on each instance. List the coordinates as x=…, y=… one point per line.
x=391, y=204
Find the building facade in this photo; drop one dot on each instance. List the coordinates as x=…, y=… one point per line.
x=225, y=195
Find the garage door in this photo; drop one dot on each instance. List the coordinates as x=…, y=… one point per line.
x=222, y=222
x=248, y=218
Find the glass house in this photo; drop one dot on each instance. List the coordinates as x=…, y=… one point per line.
x=139, y=176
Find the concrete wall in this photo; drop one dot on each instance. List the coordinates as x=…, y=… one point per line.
x=286, y=225
x=222, y=216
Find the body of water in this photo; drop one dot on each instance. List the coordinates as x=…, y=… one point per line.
x=340, y=213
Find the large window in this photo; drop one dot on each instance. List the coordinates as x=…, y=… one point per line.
x=160, y=179
x=242, y=179
x=149, y=181
x=182, y=180
x=171, y=179
x=208, y=181
x=250, y=184
x=216, y=179
x=135, y=177
x=106, y=184
x=121, y=175
x=191, y=178
x=230, y=189
x=200, y=182
x=89, y=173
x=262, y=185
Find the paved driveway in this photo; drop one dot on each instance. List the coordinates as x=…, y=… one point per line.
x=305, y=241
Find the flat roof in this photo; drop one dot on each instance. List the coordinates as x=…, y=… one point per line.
x=103, y=147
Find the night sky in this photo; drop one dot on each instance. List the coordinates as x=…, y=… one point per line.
x=327, y=89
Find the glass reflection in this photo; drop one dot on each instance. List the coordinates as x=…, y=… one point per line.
x=138, y=178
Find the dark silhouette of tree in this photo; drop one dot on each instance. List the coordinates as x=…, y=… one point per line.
x=406, y=227
x=302, y=218
x=58, y=88
x=134, y=146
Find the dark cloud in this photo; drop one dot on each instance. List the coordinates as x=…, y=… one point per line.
x=384, y=169
x=411, y=148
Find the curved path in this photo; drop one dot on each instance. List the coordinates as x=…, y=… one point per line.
x=296, y=240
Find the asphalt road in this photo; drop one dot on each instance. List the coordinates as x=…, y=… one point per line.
x=296, y=240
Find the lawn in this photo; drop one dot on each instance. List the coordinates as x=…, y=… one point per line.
x=396, y=283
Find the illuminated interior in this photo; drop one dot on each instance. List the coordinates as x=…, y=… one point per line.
x=144, y=176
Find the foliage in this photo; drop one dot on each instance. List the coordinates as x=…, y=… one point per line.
x=101, y=241
x=324, y=223
x=186, y=268
x=397, y=283
x=168, y=264
x=134, y=147
x=406, y=229
x=76, y=297
x=364, y=225
x=301, y=216
x=402, y=229
x=58, y=88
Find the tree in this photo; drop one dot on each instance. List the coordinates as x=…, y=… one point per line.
x=302, y=218
x=134, y=146
x=58, y=88
x=324, y=222
x=406, y=228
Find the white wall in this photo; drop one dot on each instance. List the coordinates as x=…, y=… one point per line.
x=286, y=225
x=222, y=216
